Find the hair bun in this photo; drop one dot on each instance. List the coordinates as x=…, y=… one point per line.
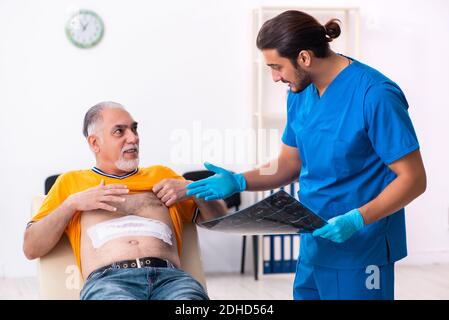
x=332, y=29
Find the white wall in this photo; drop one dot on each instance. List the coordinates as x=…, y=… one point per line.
x=175, y=63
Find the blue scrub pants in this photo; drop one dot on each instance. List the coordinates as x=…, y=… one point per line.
x=321, y=283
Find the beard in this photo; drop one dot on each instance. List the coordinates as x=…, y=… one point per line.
x=127, y=165
x=302, y=80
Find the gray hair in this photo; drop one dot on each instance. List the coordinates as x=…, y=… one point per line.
x=93, y=116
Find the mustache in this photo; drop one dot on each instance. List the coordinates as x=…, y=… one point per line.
x=130, y=147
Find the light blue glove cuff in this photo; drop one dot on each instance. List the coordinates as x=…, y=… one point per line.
x=241, y=182
x=356, y=218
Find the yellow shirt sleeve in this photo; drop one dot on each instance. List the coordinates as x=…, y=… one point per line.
x=55, y=197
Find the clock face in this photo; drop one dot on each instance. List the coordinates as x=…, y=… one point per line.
x=85, y=29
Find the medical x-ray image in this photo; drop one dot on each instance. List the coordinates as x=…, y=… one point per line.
x=277, y=214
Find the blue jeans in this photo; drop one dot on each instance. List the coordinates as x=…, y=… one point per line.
x=142, y=284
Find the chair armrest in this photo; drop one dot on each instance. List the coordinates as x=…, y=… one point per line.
x=191, y=254
x=58, y=274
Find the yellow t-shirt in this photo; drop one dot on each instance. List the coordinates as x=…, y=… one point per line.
x=143, y=180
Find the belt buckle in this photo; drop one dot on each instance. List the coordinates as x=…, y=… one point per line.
x=138, y=263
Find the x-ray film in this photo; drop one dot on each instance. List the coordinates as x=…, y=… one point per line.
x=277, y=214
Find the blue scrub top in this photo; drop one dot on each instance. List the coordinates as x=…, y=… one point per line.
x=346, y=139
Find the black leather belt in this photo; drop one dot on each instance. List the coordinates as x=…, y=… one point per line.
x=138, y=263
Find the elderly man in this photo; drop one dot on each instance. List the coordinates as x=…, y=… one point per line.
x=124, y=223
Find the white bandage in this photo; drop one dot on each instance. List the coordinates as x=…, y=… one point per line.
x=128, y=226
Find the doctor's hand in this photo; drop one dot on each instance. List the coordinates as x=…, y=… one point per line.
x=219, y=186
x=341, y=228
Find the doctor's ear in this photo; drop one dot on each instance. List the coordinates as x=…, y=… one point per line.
x=93, y=143
x=304, y=58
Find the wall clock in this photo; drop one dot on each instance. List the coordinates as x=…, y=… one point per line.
x=85, y=29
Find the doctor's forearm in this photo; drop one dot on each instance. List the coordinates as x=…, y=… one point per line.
x=400, y=192
x=272, y=175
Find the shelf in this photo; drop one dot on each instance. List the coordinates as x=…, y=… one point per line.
x=277, y=116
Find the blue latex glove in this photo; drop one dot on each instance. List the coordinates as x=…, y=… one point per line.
x=221, y=185
x=341, y=228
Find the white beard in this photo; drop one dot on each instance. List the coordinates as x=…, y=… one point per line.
x=127, y=165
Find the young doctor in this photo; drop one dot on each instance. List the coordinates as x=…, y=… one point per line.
x=350, y=140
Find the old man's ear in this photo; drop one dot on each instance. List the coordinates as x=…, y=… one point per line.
x=93, y=143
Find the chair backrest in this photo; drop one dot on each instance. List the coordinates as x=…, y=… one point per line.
x=59, y=276
x=232, y=201
x=49, y=182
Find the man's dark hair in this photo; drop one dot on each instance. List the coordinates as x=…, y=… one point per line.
x=293, y=31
